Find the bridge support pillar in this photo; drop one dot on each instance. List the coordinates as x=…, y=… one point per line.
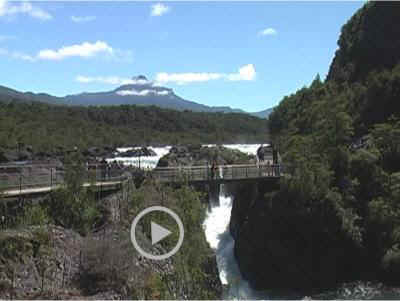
x=213, y=193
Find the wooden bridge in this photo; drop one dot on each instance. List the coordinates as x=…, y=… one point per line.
x=23, y=180
x=223, y=173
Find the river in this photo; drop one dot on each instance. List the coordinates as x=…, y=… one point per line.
x=216, y=227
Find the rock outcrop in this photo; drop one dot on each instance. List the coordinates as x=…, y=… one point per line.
x=142, y=152
x=197, y=155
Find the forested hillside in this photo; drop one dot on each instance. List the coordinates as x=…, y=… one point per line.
x=340, y=141
x=47, y=126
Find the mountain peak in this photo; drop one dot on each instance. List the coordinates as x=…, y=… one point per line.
x=140, y=77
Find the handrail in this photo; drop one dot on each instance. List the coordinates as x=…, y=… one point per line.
x=209, y=166
x=46, y=165
x=223, y=172
x=51, y=179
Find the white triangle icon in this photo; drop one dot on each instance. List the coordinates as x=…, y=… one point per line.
x=158, y=233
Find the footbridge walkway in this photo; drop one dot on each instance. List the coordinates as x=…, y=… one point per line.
x=21, y=180
x=222, y=174
x=17, y=180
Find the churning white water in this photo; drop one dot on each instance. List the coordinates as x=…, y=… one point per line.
x=216, y=227
x=150, y=162
x=146, y=162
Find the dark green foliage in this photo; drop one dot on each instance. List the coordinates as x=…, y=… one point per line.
x=368, y=41
x=73, y=206
x=44, y=126
x=193, y=260
x=341, y=141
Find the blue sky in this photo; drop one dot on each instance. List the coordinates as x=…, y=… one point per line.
x=245, y=55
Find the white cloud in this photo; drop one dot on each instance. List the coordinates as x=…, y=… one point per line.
x=159, y=9
x=183, y=78
x=111, y=80
x=247, y=73
x=268, y=32
x=141, y=92
x=8, y=9
x=85, y=50
x=134, y=92
x=82, y=19
x=165, y=92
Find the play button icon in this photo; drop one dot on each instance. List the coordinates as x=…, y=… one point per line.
x=158, y=233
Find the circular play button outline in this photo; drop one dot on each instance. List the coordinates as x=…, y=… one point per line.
x=177, y=220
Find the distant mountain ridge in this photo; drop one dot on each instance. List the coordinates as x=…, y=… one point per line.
x=263, y=114
x=138, y=91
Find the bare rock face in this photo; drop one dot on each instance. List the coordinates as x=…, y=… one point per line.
x=39, y=259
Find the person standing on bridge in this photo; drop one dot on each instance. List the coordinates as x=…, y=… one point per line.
x=214, y=168
x=269, y=171
x=260, y=154
x=103, y=169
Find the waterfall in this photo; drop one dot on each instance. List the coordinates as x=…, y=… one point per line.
x=216, y=226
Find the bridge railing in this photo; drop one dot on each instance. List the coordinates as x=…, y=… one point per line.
x=20, y=177
x=225, y=172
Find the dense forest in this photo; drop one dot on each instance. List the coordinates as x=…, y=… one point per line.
x=45, y=126
x=340, y=140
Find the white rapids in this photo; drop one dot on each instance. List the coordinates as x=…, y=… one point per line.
x=146, y=162
x=150, y=162
x=216, y=227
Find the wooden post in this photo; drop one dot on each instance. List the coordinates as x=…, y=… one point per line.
x=20, y=180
